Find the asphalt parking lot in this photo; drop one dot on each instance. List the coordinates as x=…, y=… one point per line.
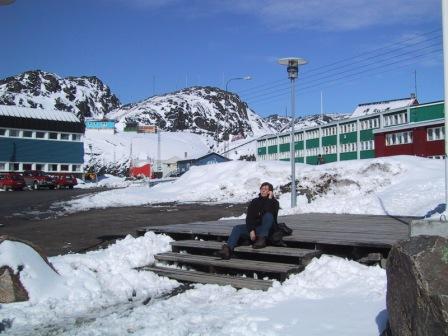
x=27, y=215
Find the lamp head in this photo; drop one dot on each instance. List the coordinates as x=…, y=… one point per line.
x=292, y=64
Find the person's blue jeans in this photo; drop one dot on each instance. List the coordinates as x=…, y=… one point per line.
x=241, y=232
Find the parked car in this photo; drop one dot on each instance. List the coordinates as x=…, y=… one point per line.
x=37, y=179
x=11, y=181
x=65, y=180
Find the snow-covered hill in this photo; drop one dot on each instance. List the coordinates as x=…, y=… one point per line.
x=283, y=124
x=201, y=110
x=112, y=153
x=84, y=96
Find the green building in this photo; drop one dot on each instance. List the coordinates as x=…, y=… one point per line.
x=347, y=139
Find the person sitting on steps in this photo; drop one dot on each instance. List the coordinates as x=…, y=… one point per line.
x=261, y=215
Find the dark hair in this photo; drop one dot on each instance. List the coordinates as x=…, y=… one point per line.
x=270, y=186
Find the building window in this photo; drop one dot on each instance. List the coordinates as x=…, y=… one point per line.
x=53, y=136
x=2, y=166
x=40, y=135
x=65, y=136
x=368, y=145
x=27, y=134
x=329, y=131
x=435, y=133
x=76, y=137
x=329, y=149
x=312, y=134
x=399, y=138
x=14, y=133
x=64, y=167
x=347, y=128
x=27, y=166
x=2, y=132
x=53, y=167
x=39, y=166
x=369, y=123
x=76, y=168
x=16, y=166
x=395, y=119
x=350, y=147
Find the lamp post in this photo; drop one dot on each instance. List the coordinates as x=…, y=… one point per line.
x=227, y=113
x=292, y=64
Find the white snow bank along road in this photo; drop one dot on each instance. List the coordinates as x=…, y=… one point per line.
x=402, y=185
x=332, y=296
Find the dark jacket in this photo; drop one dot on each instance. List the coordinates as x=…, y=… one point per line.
x=257, y=208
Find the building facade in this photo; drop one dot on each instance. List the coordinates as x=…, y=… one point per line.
x=101, y=125
x=354, y=138
x=210, y=158
x=33, y=139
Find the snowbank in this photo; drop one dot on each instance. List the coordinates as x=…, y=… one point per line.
x=403, y=185
x=103, y=295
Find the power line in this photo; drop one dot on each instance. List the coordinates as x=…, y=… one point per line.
x=270, y=85
x=305, y=89
x=328, y=74
x=314, y=79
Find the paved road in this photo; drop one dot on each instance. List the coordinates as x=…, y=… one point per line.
x=26, y=215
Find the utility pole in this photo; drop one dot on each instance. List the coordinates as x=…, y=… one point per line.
x=292, y=64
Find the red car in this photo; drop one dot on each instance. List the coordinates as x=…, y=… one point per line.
x=37, y=179
x=11, y=181
x=65, y=180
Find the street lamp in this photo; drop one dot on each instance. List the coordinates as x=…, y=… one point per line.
x=226, y=101
x=292, y=64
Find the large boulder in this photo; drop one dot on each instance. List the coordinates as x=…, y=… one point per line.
x=11, y=286
x=417, y=287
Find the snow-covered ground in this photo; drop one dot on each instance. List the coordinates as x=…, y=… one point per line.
x=100, y=292
x=402, y=185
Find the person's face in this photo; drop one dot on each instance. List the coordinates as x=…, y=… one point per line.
x=264, y=191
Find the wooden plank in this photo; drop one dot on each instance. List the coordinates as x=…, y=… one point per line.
x=268, y=250
x=348, y=230
x=207, y=278
x=234, y=263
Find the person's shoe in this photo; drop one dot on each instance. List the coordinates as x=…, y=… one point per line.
x=259, y=243
x=225, y=252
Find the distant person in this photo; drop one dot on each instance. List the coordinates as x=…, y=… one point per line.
x=320, y=159
x=261, y=215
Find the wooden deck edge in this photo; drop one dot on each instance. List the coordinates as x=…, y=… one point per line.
x=234, y=263
x=207, y=278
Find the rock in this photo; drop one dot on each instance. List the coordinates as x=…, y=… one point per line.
x=11, y=288
x=417, y=287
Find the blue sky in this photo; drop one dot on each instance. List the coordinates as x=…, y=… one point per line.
x=358, y=50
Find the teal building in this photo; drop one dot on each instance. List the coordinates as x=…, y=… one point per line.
x=34, y=139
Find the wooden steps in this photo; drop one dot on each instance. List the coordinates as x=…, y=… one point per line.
x=280, y=270
x=208, y=278
x=248, y=267
x=299, y=253
x=364, y=238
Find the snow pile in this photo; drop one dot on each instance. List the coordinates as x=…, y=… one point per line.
x=87, y=282
x=106, y=181
x=36, y=274
x=105, y=296
x=382, y=186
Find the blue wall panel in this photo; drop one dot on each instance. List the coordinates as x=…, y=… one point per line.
x=26, y=150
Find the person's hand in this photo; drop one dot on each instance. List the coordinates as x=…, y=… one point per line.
x=253, y=236
x=271, y=194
